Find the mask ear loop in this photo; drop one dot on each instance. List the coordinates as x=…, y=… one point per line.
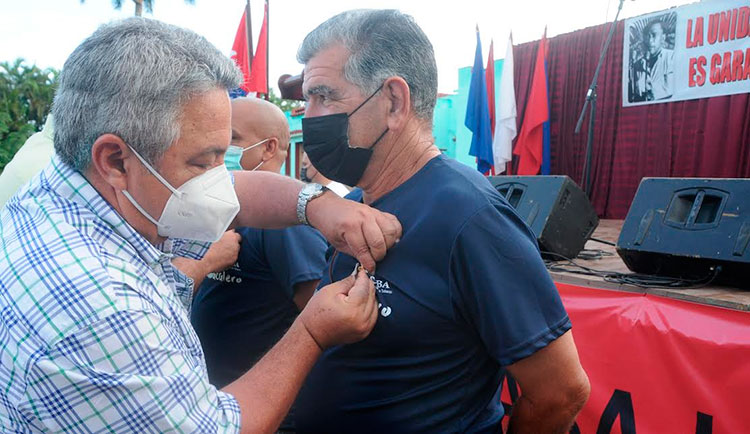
x=378, y=139
x=256, y=144
x=256, y=167
x=251, y=147
x=156, y=174
x=140, y=208
x=365, y=101
x=359, y=107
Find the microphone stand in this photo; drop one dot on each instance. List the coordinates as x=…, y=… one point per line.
x=591, y=99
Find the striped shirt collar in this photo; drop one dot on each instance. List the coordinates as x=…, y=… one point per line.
x=72, y=185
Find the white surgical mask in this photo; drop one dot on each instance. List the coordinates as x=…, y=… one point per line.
x=201, y=209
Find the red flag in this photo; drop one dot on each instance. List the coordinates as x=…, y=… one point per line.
x=258, y=81
x=240, y=53
x=490, y=77
x=530, y=140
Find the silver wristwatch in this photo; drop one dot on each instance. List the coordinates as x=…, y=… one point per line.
x=308, y=193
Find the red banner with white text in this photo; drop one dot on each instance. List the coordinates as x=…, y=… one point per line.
x=658, y=365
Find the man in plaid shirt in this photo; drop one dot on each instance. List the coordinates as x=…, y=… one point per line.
x=94, y=323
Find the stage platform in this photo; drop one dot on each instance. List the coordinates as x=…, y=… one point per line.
x=609, y=230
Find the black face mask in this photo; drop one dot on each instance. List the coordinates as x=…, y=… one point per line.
x=326, y=141
x=303, y=175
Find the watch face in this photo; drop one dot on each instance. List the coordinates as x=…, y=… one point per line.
x=314, y=189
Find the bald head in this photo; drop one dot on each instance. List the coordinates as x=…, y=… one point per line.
x=255, y=120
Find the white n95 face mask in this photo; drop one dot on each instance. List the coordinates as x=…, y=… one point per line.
x=201, y=209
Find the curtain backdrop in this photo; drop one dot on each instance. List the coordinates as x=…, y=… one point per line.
x=706, y=138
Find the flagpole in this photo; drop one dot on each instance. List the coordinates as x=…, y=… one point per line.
x=509, y=164
x=591, y=98
x=268, y=32
x=249, y=33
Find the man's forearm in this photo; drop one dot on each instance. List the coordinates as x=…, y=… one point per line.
x=554, y=388
x=267, y=391
x=526, y=417
x=267, y=200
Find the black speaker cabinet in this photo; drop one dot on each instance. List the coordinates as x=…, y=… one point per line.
x=682, y=227
x=554, y=207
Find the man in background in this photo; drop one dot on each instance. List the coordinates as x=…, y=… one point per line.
x=308, y=173
x=30, y=159
x=243, y=311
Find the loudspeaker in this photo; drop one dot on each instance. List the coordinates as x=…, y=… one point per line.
x=683, y=227
x=554, y=207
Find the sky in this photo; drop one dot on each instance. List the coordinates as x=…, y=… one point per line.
x=45, y=32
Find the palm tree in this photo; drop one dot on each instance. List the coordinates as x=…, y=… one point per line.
x=117, y=4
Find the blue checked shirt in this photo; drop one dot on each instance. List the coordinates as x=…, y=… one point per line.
x=94, y=327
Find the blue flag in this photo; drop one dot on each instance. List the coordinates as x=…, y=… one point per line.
x=478, y=114
x=237, y=93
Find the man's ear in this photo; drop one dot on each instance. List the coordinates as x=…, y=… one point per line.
x=270, y=148
x=108, y=155
x=397, y=91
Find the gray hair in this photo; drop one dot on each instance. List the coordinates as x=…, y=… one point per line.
x=383, y=43
x=132, y=78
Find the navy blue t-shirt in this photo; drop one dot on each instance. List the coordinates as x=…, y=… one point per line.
x=240, y=313
x=463, y=293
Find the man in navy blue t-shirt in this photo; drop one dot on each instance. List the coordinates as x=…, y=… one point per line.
x=241, y=312
x=463, y=294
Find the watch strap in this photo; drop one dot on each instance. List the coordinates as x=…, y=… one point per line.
x=308, y=193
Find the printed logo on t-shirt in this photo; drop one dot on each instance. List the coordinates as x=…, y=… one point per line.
x=384, y=310
x=382, y=287
x=225, y=277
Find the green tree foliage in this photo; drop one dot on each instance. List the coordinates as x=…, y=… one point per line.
x=139, y=5
x=26, y=94
x=283, y=104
